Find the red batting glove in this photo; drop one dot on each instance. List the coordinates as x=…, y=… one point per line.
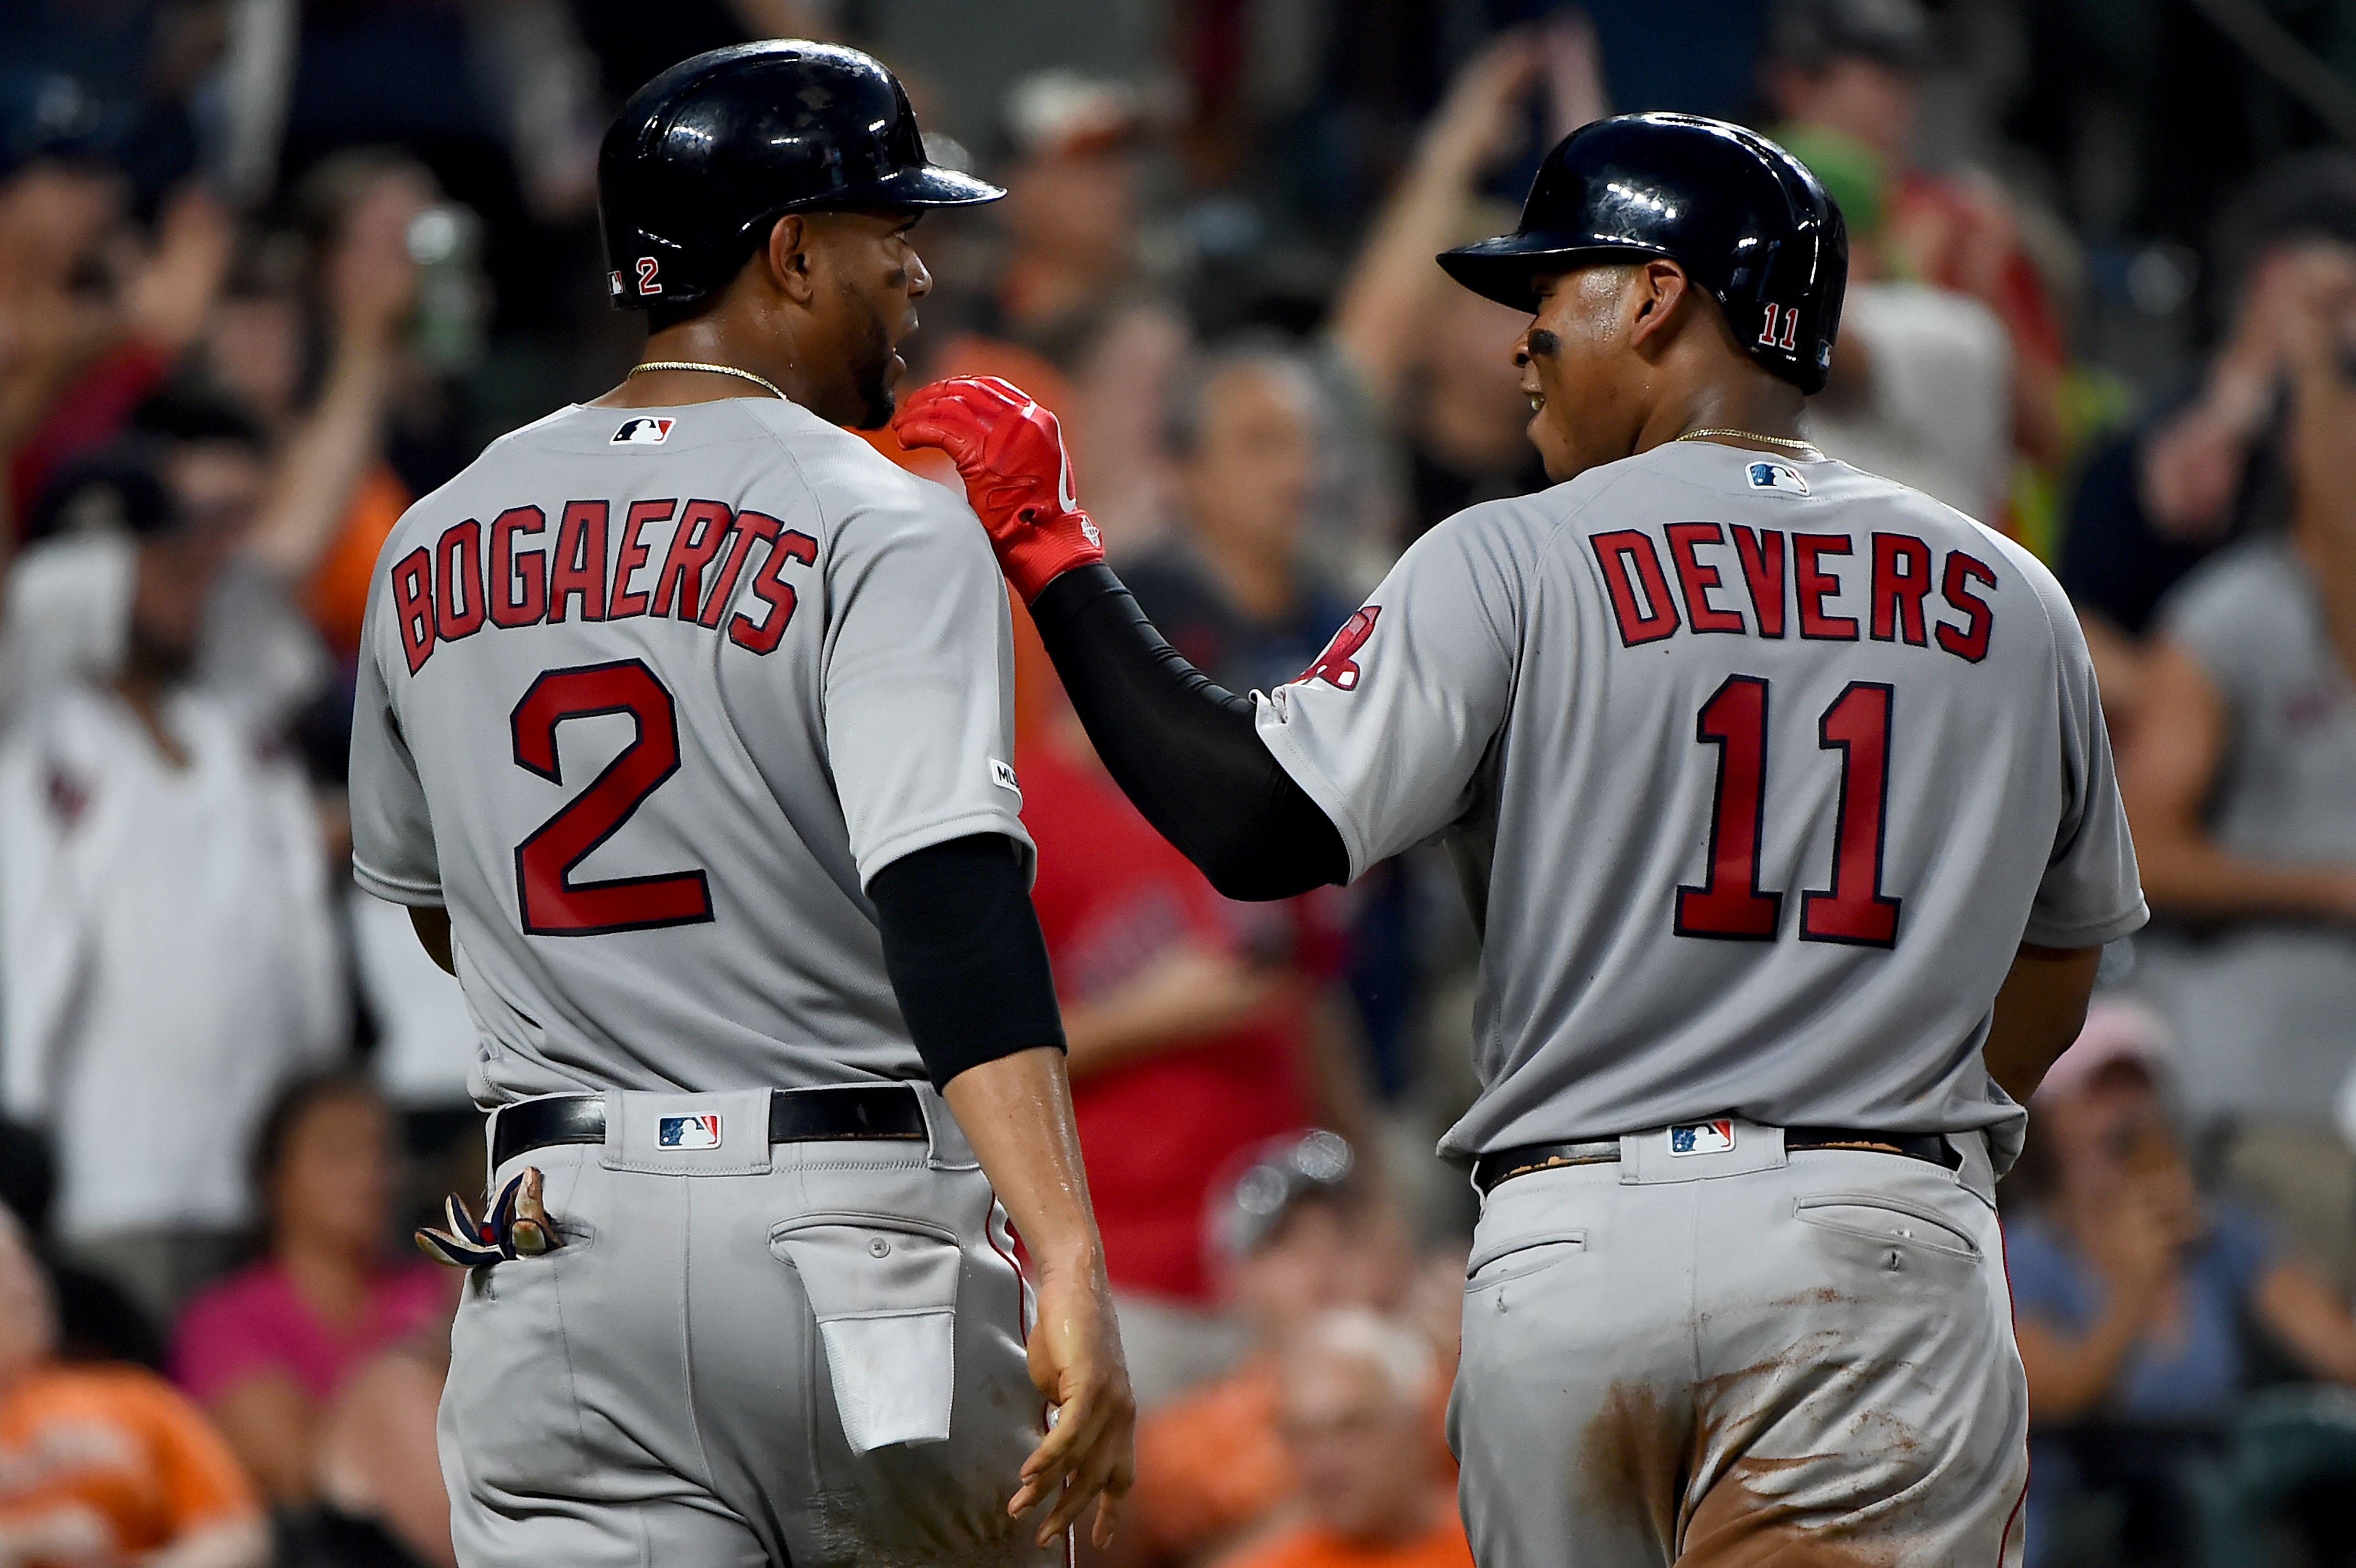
x=1018, y=477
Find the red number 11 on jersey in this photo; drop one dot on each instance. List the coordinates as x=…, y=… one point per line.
x=1732, y=905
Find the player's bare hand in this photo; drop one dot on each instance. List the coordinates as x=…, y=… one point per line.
x=1090, y=1451
x=1009, y=452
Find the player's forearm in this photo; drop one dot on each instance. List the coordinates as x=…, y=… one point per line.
x=1017, y=1113
x=1186, y=751
x=2039, y=1011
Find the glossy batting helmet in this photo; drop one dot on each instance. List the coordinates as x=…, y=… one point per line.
x=705, y=158
x=1742, y=216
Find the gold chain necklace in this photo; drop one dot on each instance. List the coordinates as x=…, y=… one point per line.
x=1785, y=442
x=767, y=385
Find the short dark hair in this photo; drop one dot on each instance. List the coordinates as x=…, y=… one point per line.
x=294, y=1100
x=1810, y=35
x=1188, y=404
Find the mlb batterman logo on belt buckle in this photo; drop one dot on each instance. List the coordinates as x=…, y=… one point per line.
x=688, y=1131
x=1702, y=1137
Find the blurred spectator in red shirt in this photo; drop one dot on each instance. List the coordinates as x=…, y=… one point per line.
x=1299, y=1233
x=92, y=315
x=1198, y=1028
x=101, y=1465
x=1356, y=1414
x=267, y=1351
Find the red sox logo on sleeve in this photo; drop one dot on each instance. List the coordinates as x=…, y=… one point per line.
x=1336, y=667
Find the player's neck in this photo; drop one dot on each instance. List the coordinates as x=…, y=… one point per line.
x=708, y=340
x=1735, y=399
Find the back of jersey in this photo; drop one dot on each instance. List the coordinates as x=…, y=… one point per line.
x=1761, y=771
x=646, y=697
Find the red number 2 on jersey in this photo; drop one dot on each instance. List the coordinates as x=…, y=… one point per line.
x=1731, y=905
x=552, y=903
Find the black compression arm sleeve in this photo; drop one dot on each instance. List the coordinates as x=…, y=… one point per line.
x=962, y=946
x=1185, y=749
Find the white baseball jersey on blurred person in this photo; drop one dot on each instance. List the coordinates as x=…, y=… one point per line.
x=676, y=682
x=1754, y=809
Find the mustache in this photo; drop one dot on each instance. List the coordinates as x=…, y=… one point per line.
x=1541, y=343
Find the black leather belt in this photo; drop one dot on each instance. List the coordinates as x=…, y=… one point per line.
x=795, y=1116
x=1504, y=1164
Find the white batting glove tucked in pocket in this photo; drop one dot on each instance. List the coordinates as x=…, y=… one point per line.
x=883, y=1289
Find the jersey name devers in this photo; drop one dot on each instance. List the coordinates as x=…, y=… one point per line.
x=1763, y=582
x=520, y=571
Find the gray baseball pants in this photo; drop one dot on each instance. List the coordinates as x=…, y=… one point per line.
x=1749, y=1358
x=804, y=1353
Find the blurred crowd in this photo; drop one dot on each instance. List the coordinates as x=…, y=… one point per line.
x=272, y=269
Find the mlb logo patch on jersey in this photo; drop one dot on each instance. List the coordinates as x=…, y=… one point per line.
x=688, y=1131
x=651, y=431
x=1778, y=476
x=1702, y=1137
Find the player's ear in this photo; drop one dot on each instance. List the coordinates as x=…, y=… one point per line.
x=1655, y=291
x=791, y=260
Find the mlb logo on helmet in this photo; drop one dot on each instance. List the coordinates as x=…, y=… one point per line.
x=688, y=1131
x=1702, y=1137
x=649, y=432
x=1778, y=476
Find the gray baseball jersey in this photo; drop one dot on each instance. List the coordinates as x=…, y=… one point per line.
x=1758, y=772
x=645, y=697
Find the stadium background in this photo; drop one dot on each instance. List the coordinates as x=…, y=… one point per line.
x=270, y=269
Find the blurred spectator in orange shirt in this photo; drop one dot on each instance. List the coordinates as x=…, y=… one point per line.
x=101, y=1465
x=1356, y=1413
x=1300, y=1235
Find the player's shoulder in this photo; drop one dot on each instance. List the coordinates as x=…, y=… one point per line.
x=847, y=475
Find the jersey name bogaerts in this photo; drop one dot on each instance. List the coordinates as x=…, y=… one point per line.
x=1759, y=772
x=645, y=697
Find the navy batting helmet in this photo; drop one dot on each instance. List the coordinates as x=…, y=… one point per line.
x=707, y=156
x=1742, y=216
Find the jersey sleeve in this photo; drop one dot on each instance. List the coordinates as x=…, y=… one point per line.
x=918, y=685
x=2092, y=893
x=1387, y=730
x=392, y=836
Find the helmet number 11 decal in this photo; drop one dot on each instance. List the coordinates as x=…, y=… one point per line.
x=1791, y=323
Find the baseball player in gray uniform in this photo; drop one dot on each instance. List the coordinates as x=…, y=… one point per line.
x=1782, y=797
x=682, y=727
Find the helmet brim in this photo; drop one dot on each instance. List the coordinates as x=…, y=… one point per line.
x=930, y=186
x=1505, y=269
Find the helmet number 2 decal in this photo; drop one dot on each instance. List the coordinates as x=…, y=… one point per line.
x=1767, y=339
x=649, y=266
